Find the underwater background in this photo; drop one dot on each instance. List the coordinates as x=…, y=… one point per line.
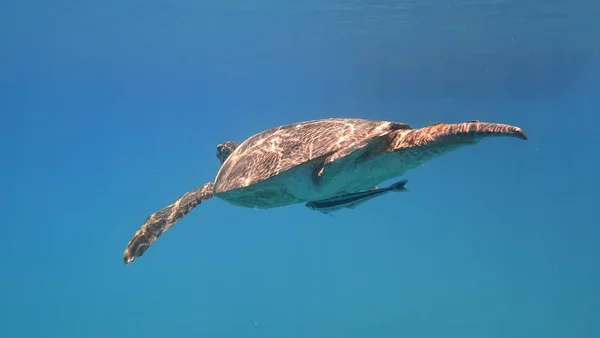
x=110, y=110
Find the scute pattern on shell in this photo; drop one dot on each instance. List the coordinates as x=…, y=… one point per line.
x=279, y=149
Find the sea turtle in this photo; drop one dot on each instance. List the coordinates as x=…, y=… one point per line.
x=315, y=160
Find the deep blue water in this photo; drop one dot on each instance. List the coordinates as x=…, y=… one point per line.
x=110, y=110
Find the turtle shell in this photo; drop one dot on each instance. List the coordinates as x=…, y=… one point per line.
x=274, y=151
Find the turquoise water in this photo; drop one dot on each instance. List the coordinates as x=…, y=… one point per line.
x=113, y=109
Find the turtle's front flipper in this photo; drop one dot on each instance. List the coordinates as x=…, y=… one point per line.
x=162, y=220
x=348, y=156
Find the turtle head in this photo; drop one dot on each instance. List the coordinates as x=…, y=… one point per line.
x=225, y=149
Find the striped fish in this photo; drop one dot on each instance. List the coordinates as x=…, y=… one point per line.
x=352, y=200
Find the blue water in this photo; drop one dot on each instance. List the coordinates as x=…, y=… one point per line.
x=110, y=110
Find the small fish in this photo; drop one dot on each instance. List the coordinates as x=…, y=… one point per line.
x=352, y=200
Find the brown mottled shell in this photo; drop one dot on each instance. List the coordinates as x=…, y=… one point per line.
x=274, y=151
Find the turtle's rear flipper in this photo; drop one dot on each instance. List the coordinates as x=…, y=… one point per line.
x=162, y=220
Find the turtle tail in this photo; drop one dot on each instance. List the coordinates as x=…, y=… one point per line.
x=163, y=220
